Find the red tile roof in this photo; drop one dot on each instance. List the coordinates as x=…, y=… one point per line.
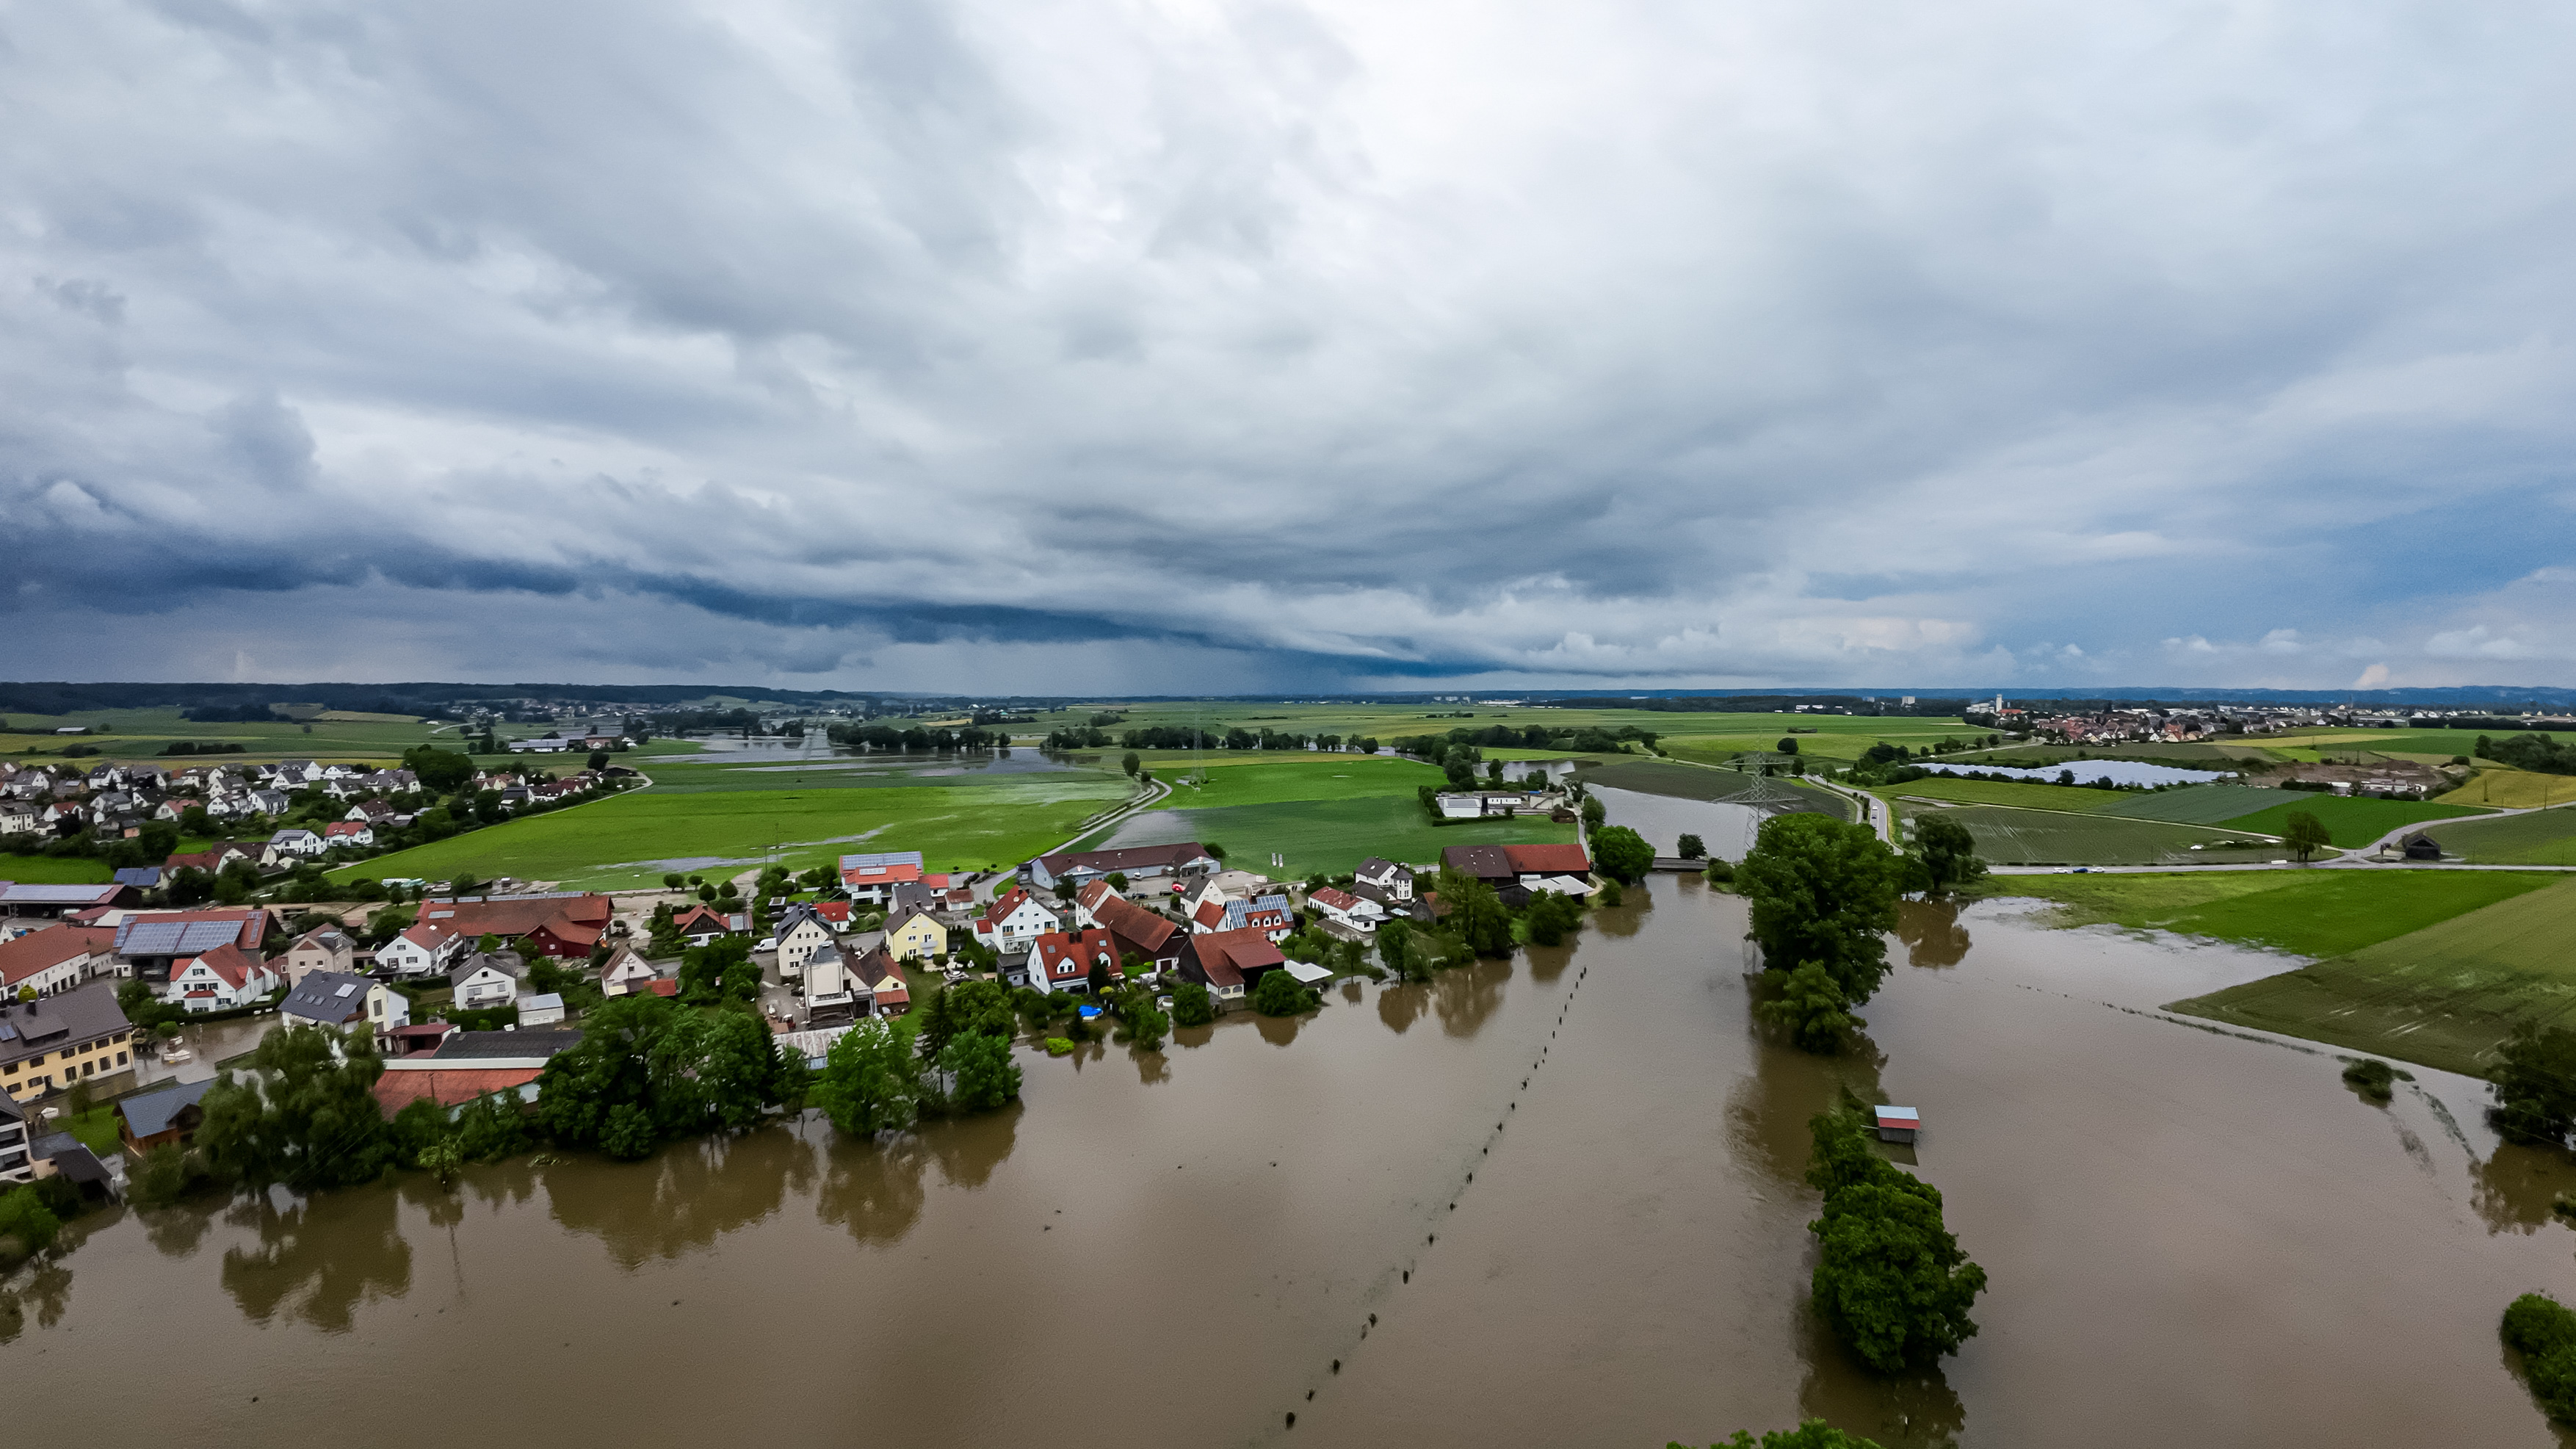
x=230, y=962
x=1567, y=859
x=1144, y=932
x=43, y=950
x=448, y=1088
x=1066, y=957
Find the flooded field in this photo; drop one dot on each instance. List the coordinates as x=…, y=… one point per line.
x=1546, y=1203
x=1726, y=828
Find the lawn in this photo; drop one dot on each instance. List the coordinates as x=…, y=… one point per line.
x=2312, y=913
x=2350, y=820
x=96, y=1129
x=1274, y=779
x=2006, y=836
x=1332, y=836
x=2546, y=837
x=2444, y=996
x=2512, y=789
x=631, y=840
x=1694, y=782
x=54, y=870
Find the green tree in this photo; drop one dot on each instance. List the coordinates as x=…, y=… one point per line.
x=2304, y=833
x=1890, y=1279
x=1812, y=1006
x=1691, y=847
x=441, y=772
x=1146, y=1023
x=1811, y=1434
x=167, y=1174
x=629, y=1080
x=739, y=1070
x=490, y=1128
x=1401, y=953
x=1822, y=890
x=2534, y=1081
x=1788, y=745
x=1948, y=853
x=1595, y=814
x=871, y=1081
x=307, y=1117
x=981, y=1073
x=966, y=1007
x=1476, y=914
x=1132, y=763
x=1280, y=994
x=1622, y=853
x=1191, y=1005
x=2543, y=1331
x=1551, y=916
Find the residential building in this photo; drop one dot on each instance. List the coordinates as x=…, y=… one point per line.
x=800, y=934
x=1521, y=869
x=1386, y=875
x=1356, y=912
x=422, y=950
x=625, y=972
x=291, y=845
x=1141, y=933
x=355, y=834
x=873, y=877
x=471, y=1064
x=918, y=937
x=55, y=959
x=700, y=924
x=149, y=944
x=487, y=979
x=1076, y=869
x=16, y=1165
x=828, y=993
x=48, y=1045
x=1089, y=897
x=1230, y=963
x=341, y=1000
x=545, y=1008
x=1012, y=923
x=162, y=1116
x=220, y=980
x=324, y=948
x=564, y=923
x=1063, y=960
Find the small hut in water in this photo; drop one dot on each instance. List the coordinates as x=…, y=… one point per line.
x=1898, y=1124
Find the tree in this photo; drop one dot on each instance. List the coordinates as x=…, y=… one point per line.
x=1811, y=1434
x=1948, y=853
x=742, y=1069
x=1281, y=994
x=981, y=1073
x=1400, y=953
x=1146, y=1023
x=1476, y=914
x=306, y=1119
x=628, y=1080
x=955, y=1011
x=2535, y=1085
x=1822, y=890
x=2305, y=834
x=871, y=1081
x=1691, y=847
x=1191, y=1005
x=2543, y=1331
x=598, y=760
x=441, y=772
x=1132, y=763
x=1461, y=772
x=1622, y=853
x=1812, y=1006
x=1890, y=1279
x=1595, y=814
x=25, y=1218
x=1551, y=916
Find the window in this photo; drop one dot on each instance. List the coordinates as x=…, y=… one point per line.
x=120, y=1059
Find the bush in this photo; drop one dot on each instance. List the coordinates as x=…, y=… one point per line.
x=167, y=1174
x=1280, y=994
x=2372, y=1078
x=2535, y=1086
x=1721, y=871
x=1058, y=1047
x=2543, y=1331
x=1191, y=1005
x=1812, y=1006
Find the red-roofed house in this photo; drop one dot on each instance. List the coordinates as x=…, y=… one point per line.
x=1014, y=922
x=1230, y=963
x=220, y=980
x=700, y=924
x=55, y=959
x=563, y=924
x=1357, y=912
x=1140, y=932
x=348, y=832
x=1062, y=960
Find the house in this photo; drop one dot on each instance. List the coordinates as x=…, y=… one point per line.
x=55, y=959
x=1230, y=963
x=213, y=859
x=53, y=902
x=17, y=817
x=1088, y=898
x=560, y=924
x=340, y=1000
x=291, y=845
x=872, y=878
x=830, y=993
x=369, y=812
x=1076, y=869
x=472, y=1064
x=422, y=950
x=351, y=834
x=917, y=938
x=487, y=979
x=1387, y=876
x=541, y=1009
x=801, y=933
x=162, y=1116
x=1063, y=960
x=150, y=943
x=1139, y=932
x=220, y=980
x=50, y=1044
x=1270, y=915
x=1213, y=912
x=324, y=948
x=1521, y=869
x=1358, y=913
x=293, y=774
x=700, y=924
x=16, y=1163
x=625, y=972
x=1012, y=923
x=2420, y=846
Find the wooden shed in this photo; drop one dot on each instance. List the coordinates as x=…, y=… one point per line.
x=1898, y=1124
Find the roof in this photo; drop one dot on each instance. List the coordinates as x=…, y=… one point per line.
x=71, y=1157
x=925, y=917
x=141, y=877
x=1899, y=1117
x=1564, y=859
x=1067, y=956
x=892, y=867
x=334, y=998
x=1134, y=857
x=543, y=1001
x=1212, y=912
x=1331, y=899
x=516, y=915
x=1226, y=955
x=189, y=933
x=76, y=1015
x=147, y=1113
x=681, y=920
x=43, y=950
x=14, y=894
x=471, y=1045
x=453, y=1087
x=508, y=963
x=1373, y=866
x=231, y=963
x=1145, y=931
x=1002, y=907
x=1486, y=862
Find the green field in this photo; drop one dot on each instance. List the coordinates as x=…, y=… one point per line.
x=2350, y=821
x=913, y=772
x=2029, y=795
x=139, y=734
x=2544, y=837
x=630, y=840
x=2006, y=836
x=2192, y=756
x=1695, y=782
x=1332, y=836
x=2202, y=804
x=2444, y=996
x=2340, y=743
x=54, y=870
x=2310, y=912
x=1274, y=778
x=2512, y=790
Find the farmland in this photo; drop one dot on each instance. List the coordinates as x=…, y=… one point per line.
x=2512, y=789
x=1691, y=782
x=54, y=870
x=2310, y=913
x=2350, y=821
x=1255, y=779
x=141, y=734
x=2202, y=804
x=2008, y=836
x=2444, y=996
x=2545, y=837
x=1330, y=835
x=2029, y=795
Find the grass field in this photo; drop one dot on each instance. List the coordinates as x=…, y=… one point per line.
x=1691, y=782
x=139, y=734
x=54, y=870
x=2311, y=913
x=1332, y=836
x=630, y=840
x=2444, y=996
x=2029, y=795
x=2202, y=804
x=1273, y=779
x=2349, y=821
x=2512, y=789
x=2546, y=837
x=2006, y=836
x=2333, y=743
x=920, y=772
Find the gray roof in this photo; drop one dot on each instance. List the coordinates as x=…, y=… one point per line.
x=71, y=1157
x=149, y=1112
x=145, y=877
x=58, y=1021
x=330, y=997
x=467, y=1045
x=547, y=1001
x=147, y=937
x=14, y=894
x=508, y=963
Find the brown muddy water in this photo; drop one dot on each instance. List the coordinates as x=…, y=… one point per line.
x=2193, y=1238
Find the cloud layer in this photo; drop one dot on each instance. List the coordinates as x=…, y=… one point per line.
x=1174, y=346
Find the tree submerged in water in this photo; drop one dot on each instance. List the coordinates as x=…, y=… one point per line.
x=2543, y=1331
x=1823, y=894
x=2535, y=1086
x=1812, y=1434
x=1890, y=1279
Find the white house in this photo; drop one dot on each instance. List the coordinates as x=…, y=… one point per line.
x=487, y=979
x=1062, y=961
x=830, y=990
x=341, y=833
x=1357, y=912
x=1387, y=876
x=802, y=932
x=423, y=950
x=50, y=960
x=546, y=1009
x=220, y=980
x=340, y=1000
x=626, y=972
x=1013, y=923
x=290, y=845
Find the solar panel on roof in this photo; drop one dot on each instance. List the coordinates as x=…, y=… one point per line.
x=349, y=990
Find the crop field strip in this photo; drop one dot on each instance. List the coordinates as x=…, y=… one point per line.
x=2350, y=821
x=1695, y=782
x=2444, y=996
x=2310, y=913
x=2504, y=789
x=1332, y=835
x=2007, y=835
x=2544, y=837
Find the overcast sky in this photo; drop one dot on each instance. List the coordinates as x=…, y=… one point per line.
x=1160, y=347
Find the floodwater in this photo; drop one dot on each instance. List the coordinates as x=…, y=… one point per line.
x=1726, y=828
x=1544, y=1203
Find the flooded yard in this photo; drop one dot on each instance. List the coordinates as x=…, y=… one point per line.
x=1545, y=1203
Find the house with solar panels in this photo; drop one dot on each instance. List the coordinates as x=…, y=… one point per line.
x=150, y=943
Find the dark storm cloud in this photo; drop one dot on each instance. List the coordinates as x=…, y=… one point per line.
x=960, y=345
